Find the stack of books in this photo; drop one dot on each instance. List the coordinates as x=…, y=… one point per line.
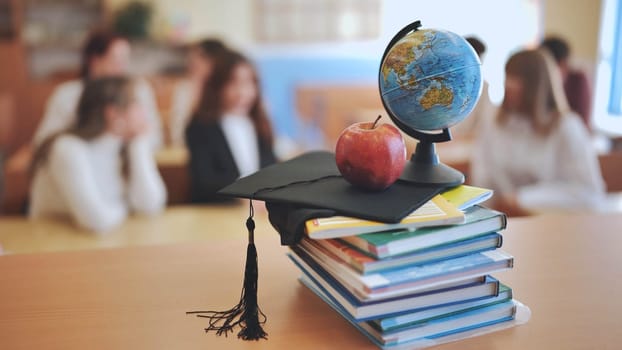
x=424, y=281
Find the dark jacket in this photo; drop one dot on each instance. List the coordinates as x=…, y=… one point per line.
x=212, y=166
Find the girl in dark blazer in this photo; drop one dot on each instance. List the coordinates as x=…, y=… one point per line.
x=230, y=135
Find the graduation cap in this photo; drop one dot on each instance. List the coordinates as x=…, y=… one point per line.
x=296, y=190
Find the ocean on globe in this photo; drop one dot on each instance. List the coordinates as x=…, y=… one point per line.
x=430, y=79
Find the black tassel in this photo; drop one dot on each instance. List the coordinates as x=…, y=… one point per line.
x=246, y=313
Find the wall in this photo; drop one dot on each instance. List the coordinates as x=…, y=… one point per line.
x=188, y=20
x=579, y=22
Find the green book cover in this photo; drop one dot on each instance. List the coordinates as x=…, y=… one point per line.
x=478, y=220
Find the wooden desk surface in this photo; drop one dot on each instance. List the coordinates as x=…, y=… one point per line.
x=567, y=270
x=177, y=224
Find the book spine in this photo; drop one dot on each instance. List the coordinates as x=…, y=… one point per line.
x=504, y=221
x=348, y=253
x=365, y=246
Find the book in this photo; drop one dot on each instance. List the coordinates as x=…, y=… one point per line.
x=402, y=281
x=365, y=263
x=478, y=220
x=435, y=212
x=413, y=318
x=519, y=316
x=468, y=290
x=465, y=196
x=483, y=315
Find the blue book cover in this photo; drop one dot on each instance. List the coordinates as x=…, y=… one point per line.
x=472, y=289
x=496, y=314
x=387, y=324
x=482, y=316
x=409, y=279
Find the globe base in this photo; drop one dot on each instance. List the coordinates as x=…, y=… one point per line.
x=424, y=167
x=432, y=174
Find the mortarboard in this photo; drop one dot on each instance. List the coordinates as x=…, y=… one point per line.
x=305, y=187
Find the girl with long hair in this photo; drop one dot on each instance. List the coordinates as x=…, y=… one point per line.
x=537, y=154
x=187, y=92
x=230, y=135
x=104, y=54
x=102, y=168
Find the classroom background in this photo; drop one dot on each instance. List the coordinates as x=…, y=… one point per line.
x=318, y=63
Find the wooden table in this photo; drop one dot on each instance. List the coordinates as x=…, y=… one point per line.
x=177, y=224
x=567, y=270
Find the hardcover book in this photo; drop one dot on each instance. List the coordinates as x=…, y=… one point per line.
x=365, y=263
x=407, y=280
x=454, y=293
x=478, y=220
x=413, y=318
x=475, y=317
x=505, y=315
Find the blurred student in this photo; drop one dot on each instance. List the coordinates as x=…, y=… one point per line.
x=536, y=154
x=484, y=109
x=104, y=54
x=576, y=84
x=5, y=128
x=102, y=168
x=188, y=91
x=1, y=179
x=230, y=135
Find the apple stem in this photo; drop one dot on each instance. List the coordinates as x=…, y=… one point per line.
x=376, y=121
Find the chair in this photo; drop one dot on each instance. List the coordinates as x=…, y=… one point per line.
x=611, y=169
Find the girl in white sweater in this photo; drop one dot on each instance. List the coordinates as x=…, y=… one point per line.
x=101, y=169
x=104, y=54
x=536, y=154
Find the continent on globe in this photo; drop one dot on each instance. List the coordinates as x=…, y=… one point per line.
x=440, y=95
x=430, y=79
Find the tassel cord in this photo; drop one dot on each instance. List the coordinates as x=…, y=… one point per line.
x=246, y=314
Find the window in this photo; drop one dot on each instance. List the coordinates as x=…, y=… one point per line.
x=607, y=109
x=615, y=99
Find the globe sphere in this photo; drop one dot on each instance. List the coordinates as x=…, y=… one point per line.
x=430, y=79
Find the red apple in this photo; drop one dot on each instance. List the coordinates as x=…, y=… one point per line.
x=371, y=156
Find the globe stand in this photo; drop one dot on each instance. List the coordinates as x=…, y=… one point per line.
x=424, y=167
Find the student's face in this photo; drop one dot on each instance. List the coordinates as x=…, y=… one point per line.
x=513, y=92
x=115, y=61
x=240, y=92
x=199, y=65
x=126, y=122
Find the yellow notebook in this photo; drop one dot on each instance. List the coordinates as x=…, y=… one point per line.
x=436, y=212
x=464, y=196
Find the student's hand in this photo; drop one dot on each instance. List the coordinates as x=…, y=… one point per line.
x=128, y=123
x=137, y=124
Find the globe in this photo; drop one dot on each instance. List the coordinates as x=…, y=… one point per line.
x=430, y=79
